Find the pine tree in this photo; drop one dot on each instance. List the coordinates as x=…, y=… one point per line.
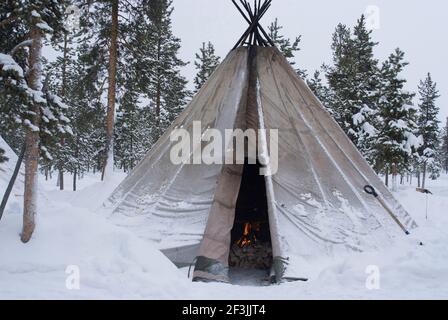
x=368, y=82
x=396, y=140
x=206, y=62
x=112, y=89
x=40, y=111
x=321, y=91
x=130, y=144
x=60, y=79
x=130, y=134
x=104, y=53
x=428, y=125
x=444, y=147
x=287, y=47
x=90, y=85
x=353, y=82
x=152, y=91
x=12, y=32
x=339, y=78
x=159, y=75
x=87, y=112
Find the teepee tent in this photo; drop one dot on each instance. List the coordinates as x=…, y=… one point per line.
x=313, y=205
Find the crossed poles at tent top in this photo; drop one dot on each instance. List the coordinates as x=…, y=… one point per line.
x=255, y=35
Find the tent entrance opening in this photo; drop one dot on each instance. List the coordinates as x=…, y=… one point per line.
x=251, y=238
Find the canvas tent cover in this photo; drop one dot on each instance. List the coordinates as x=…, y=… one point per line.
x=317, y=205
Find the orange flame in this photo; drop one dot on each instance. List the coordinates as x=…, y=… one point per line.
x=248, y=236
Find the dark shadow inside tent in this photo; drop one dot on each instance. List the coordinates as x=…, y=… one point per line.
x=251, y=247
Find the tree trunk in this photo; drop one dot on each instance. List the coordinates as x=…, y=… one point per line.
x=61, y=174
x=424, y=175
x=159, y=86
x=446, y=161
x=394, y=177
x=76, y=167
x=111, y=95
x=63, y=92
x=74, y=179
x=386, y=181
x=418, y=179
x=64, y=67
x=158, y=93
x=131, y=164
x=32, y=141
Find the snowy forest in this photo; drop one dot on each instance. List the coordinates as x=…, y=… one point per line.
x=116, y=86
x=88, y=87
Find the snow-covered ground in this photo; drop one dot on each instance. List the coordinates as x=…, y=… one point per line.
x=73, y=235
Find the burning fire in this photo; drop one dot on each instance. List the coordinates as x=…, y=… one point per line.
x=248, y=236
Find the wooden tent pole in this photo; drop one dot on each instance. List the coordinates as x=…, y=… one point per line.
x=268, y=38
x=371, y=190
x=259, y=27
x=254, y=23
x=12, y=181
x=261, y=41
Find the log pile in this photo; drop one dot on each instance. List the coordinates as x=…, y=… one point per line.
x=254, y=256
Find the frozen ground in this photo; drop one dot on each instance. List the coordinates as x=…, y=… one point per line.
x=114, y=263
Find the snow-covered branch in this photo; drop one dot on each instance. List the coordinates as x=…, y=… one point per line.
x=26, y=43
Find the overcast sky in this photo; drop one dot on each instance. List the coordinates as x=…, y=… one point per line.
x=418, y=27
